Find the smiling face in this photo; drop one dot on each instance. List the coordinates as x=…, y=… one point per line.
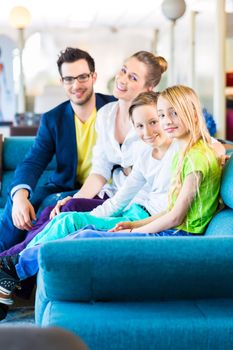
x=146, y=124
x=170, y=121
x=79, y=93
x=130, y=80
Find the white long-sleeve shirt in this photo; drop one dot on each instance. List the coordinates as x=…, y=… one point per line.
x=107, y=152
x=148, y=185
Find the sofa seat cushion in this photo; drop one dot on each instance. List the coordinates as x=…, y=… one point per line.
x=221, y=224
x=197, y=324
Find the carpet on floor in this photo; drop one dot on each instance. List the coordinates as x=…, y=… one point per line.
x=19, y=316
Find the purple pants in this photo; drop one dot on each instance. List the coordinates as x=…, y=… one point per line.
x=75, y=204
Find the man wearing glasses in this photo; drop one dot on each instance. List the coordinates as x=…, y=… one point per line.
x=68, y=132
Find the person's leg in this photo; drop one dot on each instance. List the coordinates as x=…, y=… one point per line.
x=9, y=234
x=172, y=233
x=106, y=234
x=83, y=204
x=67, y=223
x=27, y=265
x=75, y=204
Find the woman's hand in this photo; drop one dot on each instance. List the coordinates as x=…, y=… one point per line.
x=125, y=226
x=56, y=210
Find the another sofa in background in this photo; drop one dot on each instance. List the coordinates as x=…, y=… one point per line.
x=144, y=293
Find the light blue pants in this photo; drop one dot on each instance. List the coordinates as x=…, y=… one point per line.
x=69, y=222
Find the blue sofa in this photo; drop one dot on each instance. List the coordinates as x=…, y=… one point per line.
x=160, y=293
x=135, y=294
x=12, y=152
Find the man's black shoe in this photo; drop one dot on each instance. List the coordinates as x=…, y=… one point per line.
x=9, y=280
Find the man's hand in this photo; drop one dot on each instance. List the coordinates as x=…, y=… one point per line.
x=22, y=211
x=57, y=209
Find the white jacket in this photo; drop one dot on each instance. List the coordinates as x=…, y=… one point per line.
x=107, y=152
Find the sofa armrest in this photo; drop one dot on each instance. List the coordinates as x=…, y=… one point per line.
x=137, y=269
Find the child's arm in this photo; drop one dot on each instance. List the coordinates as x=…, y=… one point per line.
x=130, y=225
x=177, y=214
x=131, y=186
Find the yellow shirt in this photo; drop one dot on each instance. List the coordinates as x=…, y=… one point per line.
x=86, y=139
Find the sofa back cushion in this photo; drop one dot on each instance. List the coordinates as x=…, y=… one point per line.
x=227, y=183
x=137, y=269
x=14, y=150
x=222, y=222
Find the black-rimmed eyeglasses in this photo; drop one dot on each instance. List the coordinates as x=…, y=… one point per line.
x=82, y=78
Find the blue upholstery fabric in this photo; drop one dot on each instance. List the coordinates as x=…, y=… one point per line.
x=85, y=265
x=144, y=293
x=229, y=150
x=221, y=224
x=181, y=325
x=14, y=151
x=154, y=293
x=227, y=183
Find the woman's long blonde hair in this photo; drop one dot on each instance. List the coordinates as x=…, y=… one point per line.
x=185, y=102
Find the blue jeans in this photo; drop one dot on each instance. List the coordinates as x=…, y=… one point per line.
x=28, y=260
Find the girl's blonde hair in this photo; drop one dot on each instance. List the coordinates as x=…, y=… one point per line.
x=186, y=103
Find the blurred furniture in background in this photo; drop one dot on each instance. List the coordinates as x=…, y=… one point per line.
x=229, y=131
x=23, y=130
x=5, y=128
x=229, y=111
x=26, y=124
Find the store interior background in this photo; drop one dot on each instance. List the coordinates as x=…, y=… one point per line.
x=110, y=32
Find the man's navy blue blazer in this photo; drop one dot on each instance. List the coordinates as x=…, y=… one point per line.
x=56, y=136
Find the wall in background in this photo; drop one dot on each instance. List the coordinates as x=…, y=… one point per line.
x=7, y=96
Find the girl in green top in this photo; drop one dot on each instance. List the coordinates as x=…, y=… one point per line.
x=195, y=187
